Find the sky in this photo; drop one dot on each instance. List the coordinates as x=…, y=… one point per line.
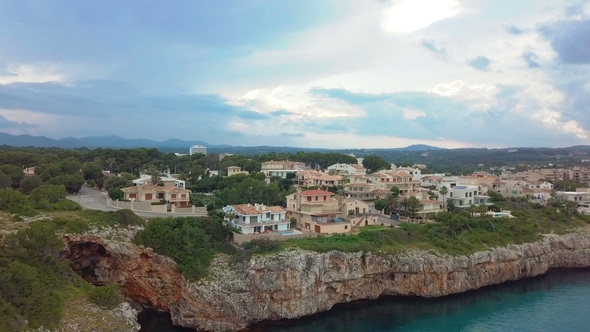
x=306, y=73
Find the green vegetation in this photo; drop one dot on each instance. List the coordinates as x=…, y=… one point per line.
x=107, y=297
x=454, y=233
x=35, y=282
x=191, y=242
x=374, y=163
x=33, y=279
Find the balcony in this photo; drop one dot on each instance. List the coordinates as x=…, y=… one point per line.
x=260, y=223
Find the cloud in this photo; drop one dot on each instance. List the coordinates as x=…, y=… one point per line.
x=481, y=62
x=411, y=15
x=293, y=134
x=513, y=30
x=574, y=10
x=431, y=46
x=82, y=107
x=529, y=57
x=570, y=39
x=281, y=112
x=28, y=74
x=462, y=113
x=6, y=124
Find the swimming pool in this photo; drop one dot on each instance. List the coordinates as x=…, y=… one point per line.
x=289, y=232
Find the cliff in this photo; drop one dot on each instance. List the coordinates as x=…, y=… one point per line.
x=148, y=279
x=297, y=283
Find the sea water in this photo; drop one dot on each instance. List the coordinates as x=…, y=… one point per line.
x=556, y=301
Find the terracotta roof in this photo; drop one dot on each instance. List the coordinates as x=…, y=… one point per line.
x=276, y=209
x=129, y=189
x=315, y=193
x=431, y=177
x=152, y=188
x=378, y=174
x=249, y=209
x=399, y=174
x=359, y=167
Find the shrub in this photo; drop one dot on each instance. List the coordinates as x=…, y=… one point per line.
x=66, y=205
x=107, y=297
x=32, y=279
x=191, y=242
x=115, y=193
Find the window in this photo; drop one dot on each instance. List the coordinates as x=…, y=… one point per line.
x=183, y=195
x=173, y=196
x=345, y=226
x=316, y=198
x=268, y=214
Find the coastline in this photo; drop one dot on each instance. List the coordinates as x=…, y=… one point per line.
x=400, y=311
x=297, y=283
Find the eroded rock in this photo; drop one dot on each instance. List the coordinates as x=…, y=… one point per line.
x=296, y=283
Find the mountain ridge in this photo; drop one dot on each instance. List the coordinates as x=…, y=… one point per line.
x=114, y=141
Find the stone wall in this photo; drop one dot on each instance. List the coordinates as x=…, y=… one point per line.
x=159, y=209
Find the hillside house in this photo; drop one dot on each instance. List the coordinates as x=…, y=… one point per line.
x=256, y=218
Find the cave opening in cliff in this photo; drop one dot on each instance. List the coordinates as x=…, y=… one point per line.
x=85, y=258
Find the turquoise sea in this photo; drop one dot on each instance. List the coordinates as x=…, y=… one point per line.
x=557, y=301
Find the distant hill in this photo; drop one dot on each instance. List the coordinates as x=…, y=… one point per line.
x=419, y=147
x=173, y=144
x=94, y=142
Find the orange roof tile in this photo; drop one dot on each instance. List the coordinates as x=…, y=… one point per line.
x=315, y=193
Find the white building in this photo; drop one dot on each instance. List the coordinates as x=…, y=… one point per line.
x=281, y=168
x=257, y=218
x=197, y=149
x=344, y=169
x=414, y=172
x=165, y=178
x=463, y=196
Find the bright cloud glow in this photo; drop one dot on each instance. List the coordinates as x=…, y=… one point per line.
x=412, y=15
x=410, y=114
x=29, y=74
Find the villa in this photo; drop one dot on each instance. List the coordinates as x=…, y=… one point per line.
x=256, y=218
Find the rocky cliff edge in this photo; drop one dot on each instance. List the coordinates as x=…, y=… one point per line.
x=296, y=283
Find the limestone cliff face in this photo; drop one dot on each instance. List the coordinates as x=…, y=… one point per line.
x=149, y=279
x=297, y=283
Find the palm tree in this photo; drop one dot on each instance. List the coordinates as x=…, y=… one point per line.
x=403, y=204
x=392, y=204
x=444, y=191
x=413, y=205
x=482, y=209
x=472, y=210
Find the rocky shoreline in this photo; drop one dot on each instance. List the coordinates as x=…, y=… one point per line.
x=296, y=283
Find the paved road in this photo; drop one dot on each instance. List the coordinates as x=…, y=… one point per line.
x=92, y=199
